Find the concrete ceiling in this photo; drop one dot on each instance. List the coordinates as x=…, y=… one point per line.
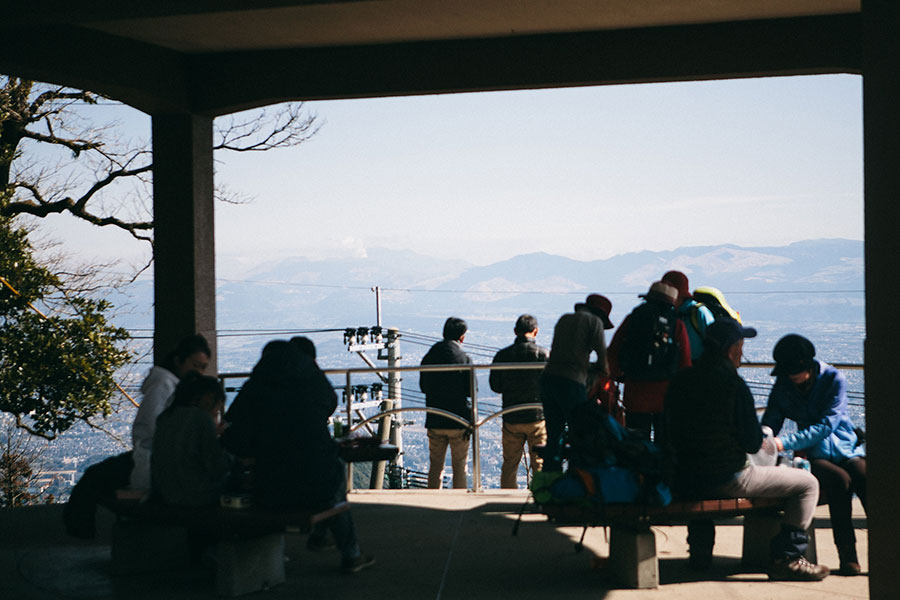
x=194, y=55
x=390, y=21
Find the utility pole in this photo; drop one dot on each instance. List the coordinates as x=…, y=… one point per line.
x=395, y=393
x=390, y=426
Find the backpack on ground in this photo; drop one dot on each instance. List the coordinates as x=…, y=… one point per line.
x=608, y=464
x=649, y=351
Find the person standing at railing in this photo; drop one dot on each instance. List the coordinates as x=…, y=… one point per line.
x=576, y=336
x=448, y=390
x=520, y=387
x=814, y=395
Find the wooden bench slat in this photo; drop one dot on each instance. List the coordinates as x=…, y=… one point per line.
x=623, y=513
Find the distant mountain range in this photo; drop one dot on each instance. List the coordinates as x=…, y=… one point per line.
x=814, y=280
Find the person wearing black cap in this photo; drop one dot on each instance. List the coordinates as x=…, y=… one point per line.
x=814, y=395
x=564, y=380
x=711, y=427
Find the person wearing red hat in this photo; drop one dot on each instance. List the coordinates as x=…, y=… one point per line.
x=563, y=383
x=652, y=324
x=695, y=316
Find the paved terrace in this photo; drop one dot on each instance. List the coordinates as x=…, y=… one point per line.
x=445, y=545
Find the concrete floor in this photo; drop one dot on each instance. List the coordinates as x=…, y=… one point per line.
x=445, y=545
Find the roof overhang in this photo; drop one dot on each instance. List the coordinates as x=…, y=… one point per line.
x=213, y=57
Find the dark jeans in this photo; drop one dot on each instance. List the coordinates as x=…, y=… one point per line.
x=98, y=485
x=559, y=396
x=839, y=482
x=341, y=527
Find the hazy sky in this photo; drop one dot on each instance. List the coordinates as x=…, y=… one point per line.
x=586, y=173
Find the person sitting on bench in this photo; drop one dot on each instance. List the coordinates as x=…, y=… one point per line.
x=280, y=421
x=188, y=466
x=712, y=426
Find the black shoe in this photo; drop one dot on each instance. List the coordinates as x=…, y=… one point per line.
x=797, y=569
x=355, y=565
x=849, y=569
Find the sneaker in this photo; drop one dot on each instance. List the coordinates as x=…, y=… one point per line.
x=355, y=565
x=797, y=569
x=320, y=544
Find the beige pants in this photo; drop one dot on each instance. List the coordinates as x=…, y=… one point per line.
x=438, y=440
x=514, y=437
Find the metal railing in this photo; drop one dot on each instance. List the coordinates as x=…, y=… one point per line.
x=475, y=425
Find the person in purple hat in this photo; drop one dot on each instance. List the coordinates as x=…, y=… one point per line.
x=711, y=427
x=576, y=336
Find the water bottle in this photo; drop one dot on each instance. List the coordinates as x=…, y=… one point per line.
x=800, y=463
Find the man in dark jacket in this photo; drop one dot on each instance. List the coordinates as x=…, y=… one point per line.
x=711, y=427
x=520, y=387
x=447, y=390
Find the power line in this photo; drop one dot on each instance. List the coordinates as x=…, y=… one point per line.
x=517, y=292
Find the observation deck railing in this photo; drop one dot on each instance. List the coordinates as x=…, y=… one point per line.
x=478, y=421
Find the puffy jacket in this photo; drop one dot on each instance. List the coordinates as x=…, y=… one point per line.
x=447, y=390
x=824, y=430
x=520, y=387
x=280, y=418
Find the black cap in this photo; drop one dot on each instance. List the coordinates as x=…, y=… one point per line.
x=723, y=332
x=793, y=354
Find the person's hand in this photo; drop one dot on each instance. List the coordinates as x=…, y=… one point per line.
x=778, y=445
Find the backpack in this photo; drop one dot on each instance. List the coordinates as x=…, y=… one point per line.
x=609, y=464
x=714, y=304
x=649, y=351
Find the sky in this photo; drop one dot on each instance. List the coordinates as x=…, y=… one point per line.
x=586, y=173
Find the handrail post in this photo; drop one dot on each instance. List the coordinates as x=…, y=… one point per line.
x=476, y=443
x=349, y=422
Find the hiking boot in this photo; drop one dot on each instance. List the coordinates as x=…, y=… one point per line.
x=797, y=569
x=355, y=565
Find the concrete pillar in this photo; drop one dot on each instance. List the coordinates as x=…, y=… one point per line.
x=881, y=131
x=632, y=556
x=184, y=239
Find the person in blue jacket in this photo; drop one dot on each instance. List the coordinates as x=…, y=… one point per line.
x=813, y=394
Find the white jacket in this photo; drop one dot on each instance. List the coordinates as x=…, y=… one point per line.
x=157, y=392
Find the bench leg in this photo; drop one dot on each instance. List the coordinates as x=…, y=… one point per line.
x=759, y=529
x=249, y=565
x=632, y=557
x=141, y=547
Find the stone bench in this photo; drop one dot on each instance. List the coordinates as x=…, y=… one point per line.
x=248, y=548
